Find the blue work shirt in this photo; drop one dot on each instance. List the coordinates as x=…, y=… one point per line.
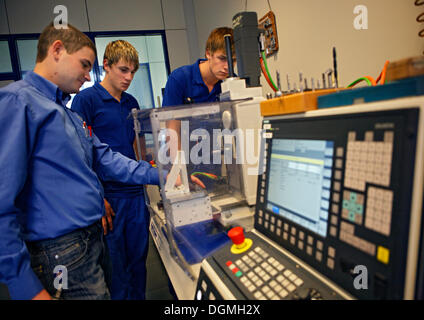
x=186, y=82
x=109, y=120
x=49, y=175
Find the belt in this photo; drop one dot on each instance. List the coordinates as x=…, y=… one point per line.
x=93, y=229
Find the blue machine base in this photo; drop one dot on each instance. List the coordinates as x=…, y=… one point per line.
x=199, y=240
x=397, y=89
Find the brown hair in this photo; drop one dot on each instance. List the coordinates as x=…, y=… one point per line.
x=72, y=39
x=118, y=49
x=216, y=40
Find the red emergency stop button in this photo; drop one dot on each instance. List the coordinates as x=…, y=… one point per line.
x=236, y=235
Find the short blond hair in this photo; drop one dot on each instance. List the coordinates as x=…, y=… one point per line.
x=121, y=49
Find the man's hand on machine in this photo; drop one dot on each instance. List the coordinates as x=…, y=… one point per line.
x=194, y=179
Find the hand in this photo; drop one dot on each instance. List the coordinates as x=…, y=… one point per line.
x=107, y=218
x=42, y=295
x=194, y=179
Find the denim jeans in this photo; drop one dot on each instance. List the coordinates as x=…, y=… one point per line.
x=84, y=254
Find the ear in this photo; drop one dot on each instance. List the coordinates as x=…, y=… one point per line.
x=208, y=54
x=106, y=66
x=57, y=49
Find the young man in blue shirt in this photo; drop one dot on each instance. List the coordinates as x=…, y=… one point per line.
x=197, y=83
x=201, y=81
x=51, y=240
x=105, y=107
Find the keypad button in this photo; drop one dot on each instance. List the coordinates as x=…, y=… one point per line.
x=291, y=288
x=251, y=288
x=258, y=295
x=283, y=293
x=278, y=288
x=265, y=289
x=298, y=282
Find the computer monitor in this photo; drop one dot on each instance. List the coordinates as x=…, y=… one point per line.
x=300, y=180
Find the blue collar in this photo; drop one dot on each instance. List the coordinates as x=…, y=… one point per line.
x=197, y=77
x=105, y=95
x=47, y=88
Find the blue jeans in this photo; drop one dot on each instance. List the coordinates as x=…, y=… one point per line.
x=128, y=246
x=84, y=254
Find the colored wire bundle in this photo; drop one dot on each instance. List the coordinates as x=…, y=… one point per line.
x=266, y=73
x=370, y=80
x=382, y=75
x=208, y=175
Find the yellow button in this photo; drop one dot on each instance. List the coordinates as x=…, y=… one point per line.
x=383, y=254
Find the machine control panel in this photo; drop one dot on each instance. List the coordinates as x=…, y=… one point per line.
x=336, y=192
x=262, y=272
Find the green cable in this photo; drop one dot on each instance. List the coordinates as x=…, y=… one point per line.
x=267, y=71
x=204, y=174
x=359, y=80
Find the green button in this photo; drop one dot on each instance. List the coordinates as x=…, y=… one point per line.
x=346, y=204
x=238, y=274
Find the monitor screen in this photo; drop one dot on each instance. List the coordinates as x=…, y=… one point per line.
x=299, y=181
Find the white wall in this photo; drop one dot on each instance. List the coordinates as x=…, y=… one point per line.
x=307, y=31
x=31, y=16
x=107, y=15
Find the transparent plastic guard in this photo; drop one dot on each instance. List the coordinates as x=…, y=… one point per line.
x=196, y=152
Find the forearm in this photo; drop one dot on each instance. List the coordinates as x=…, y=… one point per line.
x=140, y=152
x=113, y=166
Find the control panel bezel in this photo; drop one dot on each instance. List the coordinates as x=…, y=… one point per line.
x=331, y=256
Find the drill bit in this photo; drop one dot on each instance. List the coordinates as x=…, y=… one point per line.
x=336, y=76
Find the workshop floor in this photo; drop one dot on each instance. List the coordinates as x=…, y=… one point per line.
x=157, y=287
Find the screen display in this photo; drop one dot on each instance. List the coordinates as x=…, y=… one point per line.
x=299, y=181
